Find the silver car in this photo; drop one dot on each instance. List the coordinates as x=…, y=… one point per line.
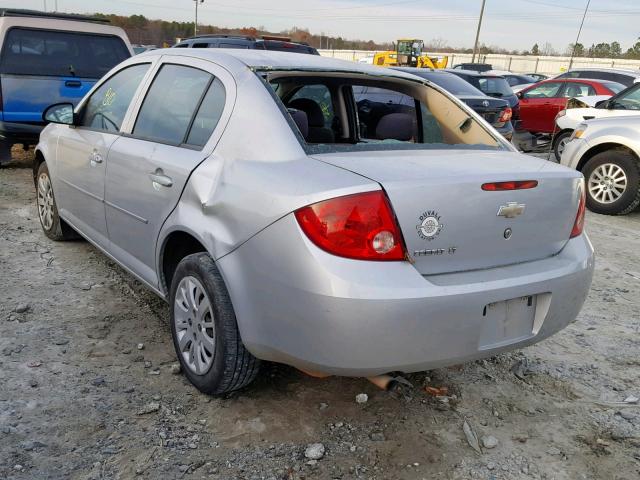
x=286, y=215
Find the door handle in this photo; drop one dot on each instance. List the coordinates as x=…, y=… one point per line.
x=160, y=179
x=95, y=157
x=73, y=83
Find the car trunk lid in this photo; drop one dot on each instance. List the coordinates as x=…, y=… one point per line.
x=450, y=223
x=487, y=107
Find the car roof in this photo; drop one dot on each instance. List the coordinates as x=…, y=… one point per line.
x=473, y=73
x=578, y=80
x=24, y=13
x=622, y=71
x=274, y=60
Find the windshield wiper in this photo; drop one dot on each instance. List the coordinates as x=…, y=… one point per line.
x=72, y=71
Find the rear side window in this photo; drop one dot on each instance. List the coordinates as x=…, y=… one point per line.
x=546, y=90
x=167, y=110
x=208, y=115
x=107, y=106
x=48, y=52
x=573, y=89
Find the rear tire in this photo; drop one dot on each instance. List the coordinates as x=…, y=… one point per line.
x=559, y=143
x=52, y=225
x=613, y=182
x=204, y=329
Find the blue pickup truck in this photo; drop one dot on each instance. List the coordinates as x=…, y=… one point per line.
x=47, y=58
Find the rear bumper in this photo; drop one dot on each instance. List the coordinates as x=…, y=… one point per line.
x=15, y=132
x=506, y=130
x=301, y=306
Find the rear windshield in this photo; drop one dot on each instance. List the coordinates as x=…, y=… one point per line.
x=288, y=47
x=453, y=84
x=494, y=86
x=47, y=52
x=339, y=112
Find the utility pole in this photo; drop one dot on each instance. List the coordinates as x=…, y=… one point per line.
x=573, y=50
x=475, y=45
x=45, y=5
x=195, y=24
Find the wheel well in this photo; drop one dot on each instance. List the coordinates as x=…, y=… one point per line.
x=38, y=160
x=603, y=147
x=177, y=246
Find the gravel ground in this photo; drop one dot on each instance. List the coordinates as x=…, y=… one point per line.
x=89, y=388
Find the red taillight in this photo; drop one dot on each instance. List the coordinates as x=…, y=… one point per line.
x=360, y=226
x=506, y=115
x=514, y=185
x=578, y=225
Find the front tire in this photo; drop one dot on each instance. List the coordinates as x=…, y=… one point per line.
x=204, y=329
x=613, y=182
x=559, y=143
x=52, y=225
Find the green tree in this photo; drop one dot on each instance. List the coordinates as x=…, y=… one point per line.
x=535, y=50
x=634, y=51
x=616, y=50
x=578, y=52
x=601, y=50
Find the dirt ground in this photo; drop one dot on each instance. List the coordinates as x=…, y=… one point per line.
x=79, y=400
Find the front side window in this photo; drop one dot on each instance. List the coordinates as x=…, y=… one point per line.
x=630, y=100
x=546, y=90
x=50, y=52
x=107, y=106
x=170, y=104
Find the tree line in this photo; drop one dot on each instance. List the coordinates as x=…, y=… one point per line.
x=600, y=50
x=144, y=31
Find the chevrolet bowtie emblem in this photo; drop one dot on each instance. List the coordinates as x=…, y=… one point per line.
x=511, y=210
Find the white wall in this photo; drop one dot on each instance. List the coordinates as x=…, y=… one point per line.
x=514, y=63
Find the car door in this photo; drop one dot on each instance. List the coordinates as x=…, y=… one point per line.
x=83, y=152
x=178, y=123
x=536, y=103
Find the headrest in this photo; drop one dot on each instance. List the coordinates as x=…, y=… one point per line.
x=300, y=118
x=396, y=126
x=311, y=108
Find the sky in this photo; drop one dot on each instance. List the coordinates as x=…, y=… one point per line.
x=510, y=24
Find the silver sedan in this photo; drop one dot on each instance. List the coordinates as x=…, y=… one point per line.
x=287, y=214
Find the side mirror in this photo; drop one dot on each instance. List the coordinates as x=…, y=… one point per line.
x=519, y=95
x=602, y=104
x=59, y=113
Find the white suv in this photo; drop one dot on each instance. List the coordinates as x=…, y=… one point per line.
x=607, y=152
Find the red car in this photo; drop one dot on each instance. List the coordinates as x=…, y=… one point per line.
x=540, y=103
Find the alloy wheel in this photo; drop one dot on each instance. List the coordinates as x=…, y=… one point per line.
x=561, y=144
x=194, y=325
x=45, y=201
x=607, y=183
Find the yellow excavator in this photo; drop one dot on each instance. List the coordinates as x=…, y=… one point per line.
x=408, y=53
